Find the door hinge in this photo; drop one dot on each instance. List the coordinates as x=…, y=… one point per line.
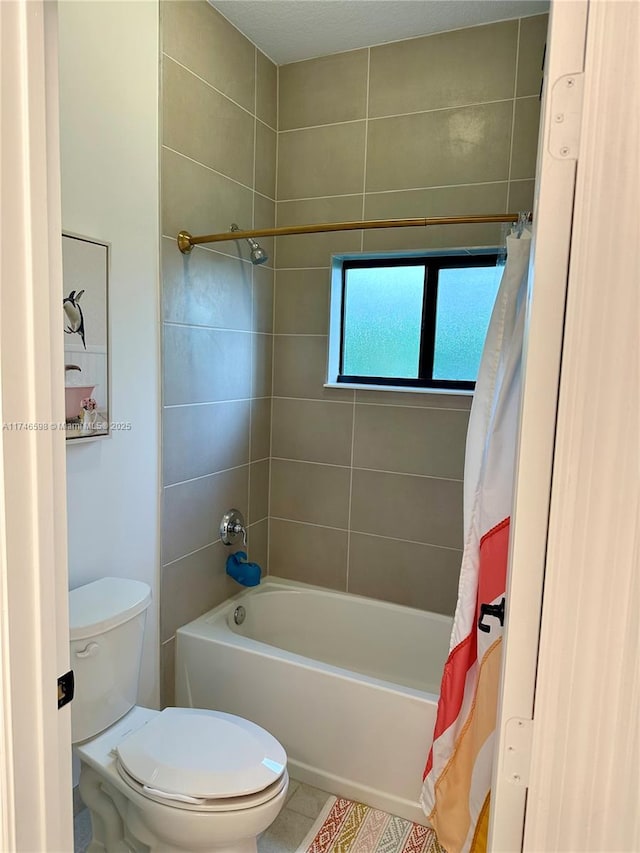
x=517, y=752
x=66, y=685
x=566, y=116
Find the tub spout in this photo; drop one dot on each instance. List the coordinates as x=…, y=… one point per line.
x=248, y=574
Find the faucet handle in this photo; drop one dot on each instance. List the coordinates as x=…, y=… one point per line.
x=232, y=525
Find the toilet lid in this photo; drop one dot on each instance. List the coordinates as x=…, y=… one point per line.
x=202, y=754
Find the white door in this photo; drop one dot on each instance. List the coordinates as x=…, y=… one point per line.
x=566, y=772
x=35, y=755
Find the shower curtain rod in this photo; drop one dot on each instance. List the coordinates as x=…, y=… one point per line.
x=186, y=241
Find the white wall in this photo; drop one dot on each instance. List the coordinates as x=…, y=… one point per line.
x=109, y=150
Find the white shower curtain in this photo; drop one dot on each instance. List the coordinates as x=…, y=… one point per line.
x=457, y=781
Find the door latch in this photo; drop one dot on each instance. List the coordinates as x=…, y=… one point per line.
x=66, y=685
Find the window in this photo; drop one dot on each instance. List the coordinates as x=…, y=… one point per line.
x=412, y=321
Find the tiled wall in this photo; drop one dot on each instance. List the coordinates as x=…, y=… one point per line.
x=366, y=486
x=218, y=166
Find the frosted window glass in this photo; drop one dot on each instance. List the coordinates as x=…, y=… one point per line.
x=465, y=301
x=382, y=321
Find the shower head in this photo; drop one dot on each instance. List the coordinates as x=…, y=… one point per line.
x=258, y=254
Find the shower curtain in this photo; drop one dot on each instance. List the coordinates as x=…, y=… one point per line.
x=457, y=780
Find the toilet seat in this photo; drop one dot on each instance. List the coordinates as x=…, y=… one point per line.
x=202, y=760
x=226, y=804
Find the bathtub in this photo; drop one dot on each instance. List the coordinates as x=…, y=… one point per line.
x=347, y=684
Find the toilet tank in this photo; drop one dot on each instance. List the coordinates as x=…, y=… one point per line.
x=106, y=622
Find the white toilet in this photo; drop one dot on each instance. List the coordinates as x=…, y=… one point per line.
x=176, y=781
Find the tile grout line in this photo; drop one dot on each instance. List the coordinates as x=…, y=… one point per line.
x=219, y=91
x=400, y=190
x=353, y=441
x=353, y=412
x=214, y=328
x=215, y=172
x=365, y=533
x=205, y=476
x=315, y=400
x=212, y=402
x=465, y=106
x=366, y=143
x=253, y=281
x=359, y=468
x=273, y=318
x=358, y=402
x=513, y=115
x=204, y=548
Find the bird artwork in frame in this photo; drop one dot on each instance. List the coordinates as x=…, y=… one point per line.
x=85, y=314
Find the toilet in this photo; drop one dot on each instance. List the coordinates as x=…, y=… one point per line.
x=174, y=781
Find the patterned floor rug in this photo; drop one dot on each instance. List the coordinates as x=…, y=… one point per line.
x=347, y=827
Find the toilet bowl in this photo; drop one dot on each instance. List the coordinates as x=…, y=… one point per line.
x=174, y=781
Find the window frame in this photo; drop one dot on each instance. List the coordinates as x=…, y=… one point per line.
x=433, y=263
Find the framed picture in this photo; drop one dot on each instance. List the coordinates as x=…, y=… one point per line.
x=85, y=315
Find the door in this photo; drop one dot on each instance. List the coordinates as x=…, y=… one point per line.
x=549, y=269
x=35, y=754
x=567, y=768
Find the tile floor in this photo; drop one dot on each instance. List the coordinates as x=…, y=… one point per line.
x=302, y=807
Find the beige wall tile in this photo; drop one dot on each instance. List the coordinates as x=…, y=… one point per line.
x=265, y=217
x=428, y=399
x=260, y=428
x=521, y=195
x=533, y=35
x=200, y=201
x=199, y=440
x=300, y=369
x=444, y=201
x=205, y=365
x=315, y=250
x=311, y=430
x=205, y=125
x=321, y=161
x=525, y=138
x=414, y=575
x=258, y=491
x=308, y=554
x=324, y=90
x=467, y=66
x=411, y=441
x=303, y=491
x=302, y=302
x=167, y=674
x=267, y=91
x=265, y=160
x=205, y=288
x=458, y=146
x=263, y=299
x=200, y=38
x=262, y=365
x=192, y=511
x=420, y=509
x=258, y=545
x=194, y=585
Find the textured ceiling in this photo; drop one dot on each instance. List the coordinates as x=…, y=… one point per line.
x=290, y=30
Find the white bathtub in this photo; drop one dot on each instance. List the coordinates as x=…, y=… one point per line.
x=347, y=684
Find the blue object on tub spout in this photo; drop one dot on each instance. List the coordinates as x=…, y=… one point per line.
x=248, y=574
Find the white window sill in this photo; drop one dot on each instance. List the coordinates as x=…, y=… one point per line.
x=356, y=386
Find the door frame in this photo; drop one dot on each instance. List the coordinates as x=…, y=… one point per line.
x=35, y=754
x=548, y=274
